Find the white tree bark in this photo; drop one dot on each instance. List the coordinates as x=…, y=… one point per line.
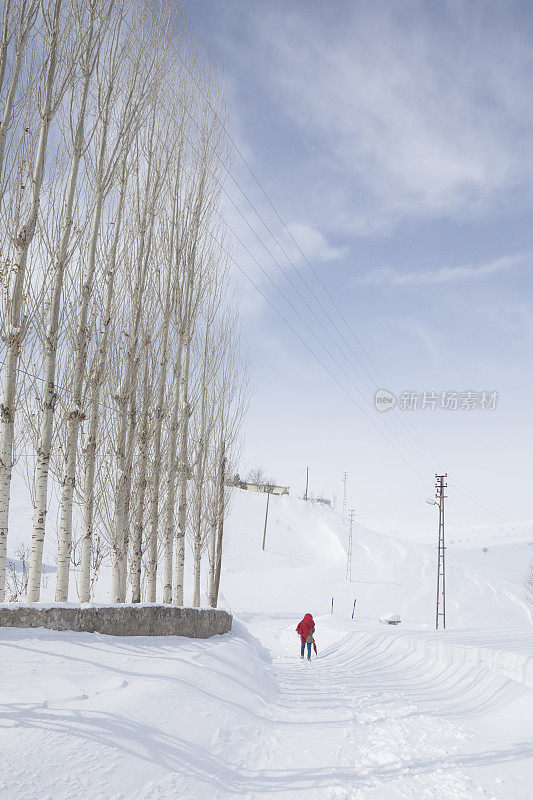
x=170, y=506
x=76, y=415
x=16, y=320
x=140, y=489
x=231, y=402
x=178, y=234
x=122, y=564
x=145, y=234
x=213, y=600
x=169, y=301
x=200, y=477
x=183, y=474
x=96, y=382
x=106, y=124
x=195, y=283
x=134, y=91
x=106, y=162
x=49, y=388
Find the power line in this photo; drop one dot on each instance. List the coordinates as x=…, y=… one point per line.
x=315, y=356
x=402, y=422
x=479, y=503
x=424, y=464
x=293, y=330
x=237, y=149
x=306, y=324
x=289, y=232
x=401, y=503
x=428, y=463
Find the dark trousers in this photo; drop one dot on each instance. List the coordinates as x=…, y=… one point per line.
x=309, y=645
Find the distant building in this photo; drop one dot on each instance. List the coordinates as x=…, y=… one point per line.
x=322, y=500
x=258, y=487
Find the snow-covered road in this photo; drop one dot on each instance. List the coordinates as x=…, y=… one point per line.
x=84, y=715
x=368, y=720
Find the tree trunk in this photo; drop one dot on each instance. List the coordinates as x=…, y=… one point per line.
x=140, y=493
x=197, y=548
x=130, y=446
x=212, y=557
x=183, y=472
x=49, y=388
x=76, y=415
x=88, y=508
x=125, y=398
x=16, y=320
x=158, y=423
x=94, y=408
x=144, y=248
x=220, y=529
x=197, y=562
x=170, y=507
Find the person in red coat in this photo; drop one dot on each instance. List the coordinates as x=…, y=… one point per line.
x=305, y=630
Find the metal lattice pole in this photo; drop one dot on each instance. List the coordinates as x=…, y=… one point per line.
x=344, y=477
x=441, y=564
x=350, y=548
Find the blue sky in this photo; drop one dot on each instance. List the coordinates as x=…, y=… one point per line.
x=394, y=139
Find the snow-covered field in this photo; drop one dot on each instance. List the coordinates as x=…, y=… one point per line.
x=384, y=712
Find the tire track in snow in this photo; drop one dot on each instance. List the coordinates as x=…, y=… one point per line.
x=359, y=722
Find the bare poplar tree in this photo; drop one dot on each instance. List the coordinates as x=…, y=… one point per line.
x=112, y=134
x=91, y=29
x=231, y=399
x=147, y=193
x=169, y=283
x=212, y=352
x=53, y=89
x=113, y=292
x=196, y=280
x=96, y=380
x=142, y=481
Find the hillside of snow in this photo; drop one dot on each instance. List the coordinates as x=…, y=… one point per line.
x=384, y=712
x=304, y=564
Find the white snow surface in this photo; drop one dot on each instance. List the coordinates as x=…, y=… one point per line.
x=384, y=712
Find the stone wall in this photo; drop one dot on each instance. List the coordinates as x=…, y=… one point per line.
x=127, y=620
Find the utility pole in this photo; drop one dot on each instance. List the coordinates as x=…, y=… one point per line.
x=349, y=559
x=306, y=482
x=266, y=516
x=441, y=574
x=344, y=477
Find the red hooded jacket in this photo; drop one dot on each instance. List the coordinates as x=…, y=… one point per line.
x=305, y=627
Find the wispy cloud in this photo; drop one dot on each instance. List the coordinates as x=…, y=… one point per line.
x=468, y=272
x=413, y=120
x=312, y=243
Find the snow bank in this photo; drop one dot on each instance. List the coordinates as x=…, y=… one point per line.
x=488, y=653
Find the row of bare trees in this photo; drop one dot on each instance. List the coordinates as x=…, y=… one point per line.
x=124, y=383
